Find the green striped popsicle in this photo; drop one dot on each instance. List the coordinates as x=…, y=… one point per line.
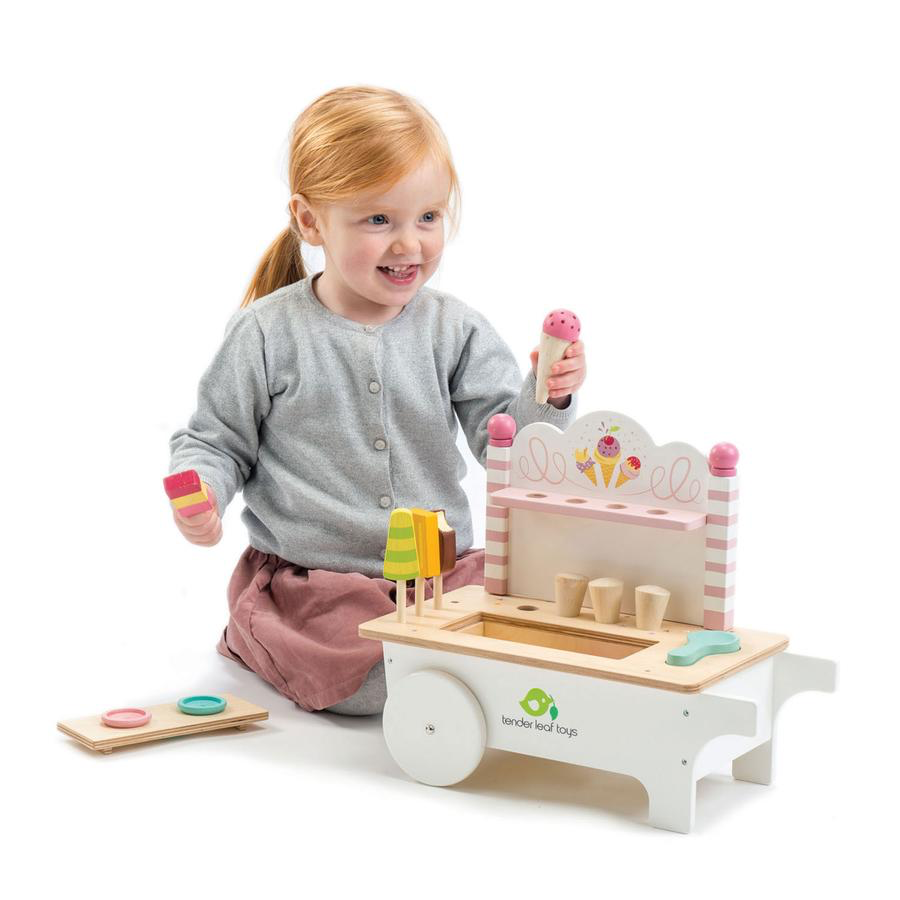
x=401, y=561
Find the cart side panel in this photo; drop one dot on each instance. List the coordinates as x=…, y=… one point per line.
x=626, y=728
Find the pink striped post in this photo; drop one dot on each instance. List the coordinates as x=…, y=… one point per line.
x=721, y=538
x=501, y=431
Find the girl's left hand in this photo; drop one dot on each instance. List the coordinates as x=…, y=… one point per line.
x=566, y=376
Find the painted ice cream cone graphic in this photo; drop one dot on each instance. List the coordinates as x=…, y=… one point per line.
x=629, y=469
x=607, y=454
x=561, y=330
x=585, y=465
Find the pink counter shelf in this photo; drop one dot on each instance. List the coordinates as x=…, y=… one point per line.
x=611, y=510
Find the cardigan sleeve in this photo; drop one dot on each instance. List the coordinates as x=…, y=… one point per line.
x=487, y=381
x=221, y=439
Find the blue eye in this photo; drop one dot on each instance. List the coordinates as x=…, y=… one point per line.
x=435, y=215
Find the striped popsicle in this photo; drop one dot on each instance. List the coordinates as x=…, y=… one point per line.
x=401, y=561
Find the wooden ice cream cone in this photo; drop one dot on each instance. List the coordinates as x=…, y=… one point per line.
x=606, y=598
x=561, y=329
x=569, y=594
x=650, y=602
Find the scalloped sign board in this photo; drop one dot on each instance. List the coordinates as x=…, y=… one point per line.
x=608, y=456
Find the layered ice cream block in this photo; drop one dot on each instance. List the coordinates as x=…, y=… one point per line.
x=187, y=493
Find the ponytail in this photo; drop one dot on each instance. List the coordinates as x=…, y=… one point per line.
x=281, y=265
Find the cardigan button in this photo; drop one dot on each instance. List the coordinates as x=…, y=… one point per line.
x=380, y=444
x=385, y=502
x=374, y=387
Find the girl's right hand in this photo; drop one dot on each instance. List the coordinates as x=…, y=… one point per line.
x=205, y=528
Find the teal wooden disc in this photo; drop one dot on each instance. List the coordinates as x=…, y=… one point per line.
x=202, y=705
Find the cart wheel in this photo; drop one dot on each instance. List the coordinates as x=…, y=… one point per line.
x=434, y=727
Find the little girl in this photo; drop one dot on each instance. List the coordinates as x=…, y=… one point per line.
x=334, y=398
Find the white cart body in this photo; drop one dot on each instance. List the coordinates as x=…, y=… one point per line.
x=665, y=739
x=600, y=499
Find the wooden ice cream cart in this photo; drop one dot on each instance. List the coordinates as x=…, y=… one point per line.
x=500, y=667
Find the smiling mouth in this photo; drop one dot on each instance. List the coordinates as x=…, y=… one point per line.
x=400, y=277
x=399, y=271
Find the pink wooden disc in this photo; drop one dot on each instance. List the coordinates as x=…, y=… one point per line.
x=129, y=717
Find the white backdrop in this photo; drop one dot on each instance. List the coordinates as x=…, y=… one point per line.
x=712, y=186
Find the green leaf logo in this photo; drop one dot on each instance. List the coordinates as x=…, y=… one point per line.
x=554, y=712
x=536, y=703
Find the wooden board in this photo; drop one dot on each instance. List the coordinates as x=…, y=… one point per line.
x=568, y=644
x=166, y=721
x=542, y=544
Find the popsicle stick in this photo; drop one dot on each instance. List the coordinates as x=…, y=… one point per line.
x=438, y=586
x=420, y=596
x=401, y=601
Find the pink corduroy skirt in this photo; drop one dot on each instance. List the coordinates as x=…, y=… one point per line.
x=297, y=628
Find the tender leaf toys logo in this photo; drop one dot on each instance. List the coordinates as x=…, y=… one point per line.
x=537, y=703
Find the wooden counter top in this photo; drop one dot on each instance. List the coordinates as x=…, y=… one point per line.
x=529, y=632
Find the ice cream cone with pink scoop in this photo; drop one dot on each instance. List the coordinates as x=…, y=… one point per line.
x=561, y=330
x=607, y=453
x=628, y=470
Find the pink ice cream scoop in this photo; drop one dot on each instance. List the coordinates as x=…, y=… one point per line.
x=608, y=447
x=561, y=330
x=562, y=323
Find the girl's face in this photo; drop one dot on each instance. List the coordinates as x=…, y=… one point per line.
x=402, y=228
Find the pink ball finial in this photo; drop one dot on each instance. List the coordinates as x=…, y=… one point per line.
x=502, y=430
x=723, y=459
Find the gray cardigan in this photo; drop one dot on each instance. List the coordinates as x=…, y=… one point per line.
x=327, y=424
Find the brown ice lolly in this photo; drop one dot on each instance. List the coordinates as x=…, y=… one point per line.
x=447, y=540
